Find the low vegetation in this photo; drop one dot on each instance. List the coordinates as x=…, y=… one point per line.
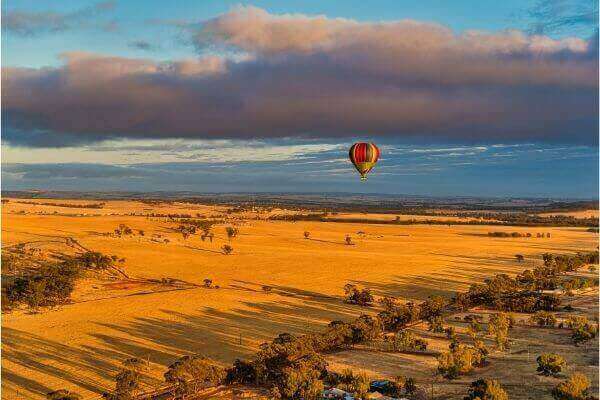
x=576, y=387
x=550, y=364
x=405, y=341
x=52, y=283
x=358, y=296
x=232, y=232
x=498, y=219
x=582, y=330
x=192, y=373
x=486, y=389
x=226, y=249
x=65, y=205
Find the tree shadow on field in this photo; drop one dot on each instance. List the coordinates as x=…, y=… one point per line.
x=225, y=335
x=51, y=358
x=325, y=241
x=163, y=337
x=443, y=283
x=221, y=335
x=201, y=249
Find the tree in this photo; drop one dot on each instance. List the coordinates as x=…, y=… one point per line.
x=354, y=295
x=338, y=334
x=550, y=364
x=582, y=329
x=479, y=345
x=473, y=329
x=349, y=240
x=192, y=373
x=306, y=235
x=128, y=381
x=231, y=232
x=486, y=389
x=366, y=328
x=543, y=319
x=405, y=340
x=135, y=364
x=436, y=325
x=583, y=333
x=498, y=327
x=432, y=307
x=459, y=360
x=574, y=388
x=450, y=332
x=226, y=249
x=301, y=382
x=519, y=257
x=267, y=289
x=63, y=394
x=357, y=384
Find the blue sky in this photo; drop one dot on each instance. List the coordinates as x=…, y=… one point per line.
x=267, y=96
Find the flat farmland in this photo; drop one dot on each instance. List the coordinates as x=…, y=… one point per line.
x=80, y=346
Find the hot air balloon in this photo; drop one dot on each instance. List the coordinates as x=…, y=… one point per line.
x=364, y=156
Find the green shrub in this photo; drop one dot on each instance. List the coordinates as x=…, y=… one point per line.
x=550, y=364
x=486, y=389
x=498, y=327
x=49, y=285
x=574, y=388
x=582, y=329
x=357, y=384
x=543, y=319
x=191, y=373
x=301, y=382
x=584, y=333
x=231, y=232
x=436, y=324
x=227, y=249
x=458, y=361
x=405, y=340
x=355, y=295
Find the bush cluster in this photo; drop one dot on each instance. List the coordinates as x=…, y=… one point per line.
x=522, y=293
x=51, y=284
x=405, y=340
x=355, y=295
x=192, y=373
x=582, y=329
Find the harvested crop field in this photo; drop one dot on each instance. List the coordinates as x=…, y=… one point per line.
x=161, y=309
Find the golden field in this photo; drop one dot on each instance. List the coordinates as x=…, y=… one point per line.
x=79, y=346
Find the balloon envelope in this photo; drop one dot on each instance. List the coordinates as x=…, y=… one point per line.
x=364, y=156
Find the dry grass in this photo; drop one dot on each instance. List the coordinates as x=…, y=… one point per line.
x=80, y=346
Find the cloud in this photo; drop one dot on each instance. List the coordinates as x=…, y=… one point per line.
x=31, y=23
x=556, y=171
x=303, y=76
x=142, y=45
x=558, y=16
x=71, y=171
